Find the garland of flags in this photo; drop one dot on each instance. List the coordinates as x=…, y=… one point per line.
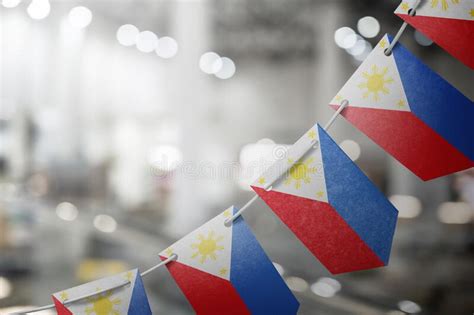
x=324, y=198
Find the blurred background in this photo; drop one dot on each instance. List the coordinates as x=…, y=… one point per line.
x=125, y=124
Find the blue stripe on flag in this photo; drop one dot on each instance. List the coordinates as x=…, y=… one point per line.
x=139, y=302
x=254, y=276
x=356, y=199
x=436, y=102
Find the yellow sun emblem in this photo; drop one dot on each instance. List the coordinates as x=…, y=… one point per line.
x=405, y=6
x=444, y=4
x=300, y=172
x=103, y=304
x=375, y=82
x=207, y=247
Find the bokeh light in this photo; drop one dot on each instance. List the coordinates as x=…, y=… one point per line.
x=66, y=211
x=147, y=41
x=421, y=39
x=127, y=34
x=326, y=287
x=367, y=50
x=105, y=223
x=455, y=213
x=39, y=9
x=351, y=148
x=345, y=37
x=227, y=69
x=297, y=284
x=408, y=207
x=409, y=307
x=368, y=26
x=359, y=47
x=10, y=3
x=210, y=62
x=167, y=47
x=80, y=17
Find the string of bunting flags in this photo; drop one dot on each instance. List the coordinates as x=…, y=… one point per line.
x=317, y=190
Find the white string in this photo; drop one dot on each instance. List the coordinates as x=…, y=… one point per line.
x=411, y=12
x=268, y=187
x=164, y=262
x=85, y=296
x=328, y=125
x=228, y=222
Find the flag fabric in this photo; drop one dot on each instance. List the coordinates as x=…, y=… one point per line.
x=449, y=23
x=224, y=270
x=130, y=298
x=411, y=112
x=330, y=205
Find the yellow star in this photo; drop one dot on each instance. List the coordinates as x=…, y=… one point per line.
x=63, y=296
x=129, y=276
x=338, y=98
x=261, y=180
x=383, y=43
x=401, y=103
x=320, y=194
x=223, y=271
x=472, y=13
x=227, y=213
x=169, y=251
x=405, y=6
x=312, y=134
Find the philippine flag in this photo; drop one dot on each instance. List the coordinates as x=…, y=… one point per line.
x=127, y=297
x=449, y=23
x=330, y=205
x=411, y=112
x=224, y=270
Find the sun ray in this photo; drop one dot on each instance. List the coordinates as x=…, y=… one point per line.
x=444, y=4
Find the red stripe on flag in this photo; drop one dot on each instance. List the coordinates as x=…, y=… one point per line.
x=323, y=231
x=454, y=35
x=208, y=294
x=60, y=308
x=409, y=140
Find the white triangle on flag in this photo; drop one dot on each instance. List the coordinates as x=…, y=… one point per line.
x=208, y=248
x=376, y=83
x=305, y=177
x=451, y=9
x=116, y=301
